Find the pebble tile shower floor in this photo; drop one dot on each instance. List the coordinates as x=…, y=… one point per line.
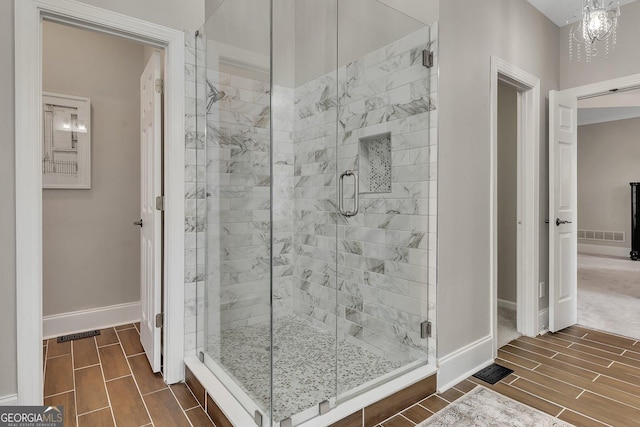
x=304, y=371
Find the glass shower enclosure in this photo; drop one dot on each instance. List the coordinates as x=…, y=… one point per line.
x=315, y=195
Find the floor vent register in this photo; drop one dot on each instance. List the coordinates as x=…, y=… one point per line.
x=79, y=335
x=492, y=373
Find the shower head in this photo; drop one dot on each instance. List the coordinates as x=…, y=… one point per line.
x=213, y=96
x=217, y=95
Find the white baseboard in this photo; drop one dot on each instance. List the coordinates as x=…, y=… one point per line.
x=586, y=248
x=464, y=362
x=543, y=321
x=507, y=304
x=95, y=318
x=9, y=400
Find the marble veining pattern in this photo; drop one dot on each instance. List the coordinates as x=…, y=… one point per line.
x=304, y=364
x=386, y=254
x=238, y=219
x=483, y=407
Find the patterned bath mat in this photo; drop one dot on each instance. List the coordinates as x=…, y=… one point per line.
x=482, y=407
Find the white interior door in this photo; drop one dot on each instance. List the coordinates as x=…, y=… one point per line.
x=563, y=197
x=151, y=227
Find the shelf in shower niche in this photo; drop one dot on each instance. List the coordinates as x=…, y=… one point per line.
x=375, y=163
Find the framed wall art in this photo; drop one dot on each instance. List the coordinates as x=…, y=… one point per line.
x=66, y=141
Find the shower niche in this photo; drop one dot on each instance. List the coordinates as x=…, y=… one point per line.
x=374, y=162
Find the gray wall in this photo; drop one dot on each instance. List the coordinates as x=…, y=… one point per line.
x=425, y=11
x=622, y=62
x=210, y=7
x=166, y=12
x=243, y=24
x=507, y=191
x=178, y=14
x=91, y=249
x=470, y=32
x=608, y=156
x=8, y=381
x=309, y=28
x=361, y=26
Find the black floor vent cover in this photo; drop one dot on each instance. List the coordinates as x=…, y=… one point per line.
x=78, y=336
x=492, y=373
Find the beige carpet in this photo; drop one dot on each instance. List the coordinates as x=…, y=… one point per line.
x=482, y=407
x=609, y=294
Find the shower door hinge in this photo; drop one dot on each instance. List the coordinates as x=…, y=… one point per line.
x=160, y=203
x=425, y=329
x=427, y=58
x=159, y=320
x=257, y=418
x=160, y=86
x=324, y=407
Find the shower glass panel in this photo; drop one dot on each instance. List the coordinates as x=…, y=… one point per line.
x=316, y=191
x=236, y=90
x=304, y=207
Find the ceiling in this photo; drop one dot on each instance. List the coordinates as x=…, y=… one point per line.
x=560, y=11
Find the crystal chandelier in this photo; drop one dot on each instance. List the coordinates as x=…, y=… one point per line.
x=598, y=22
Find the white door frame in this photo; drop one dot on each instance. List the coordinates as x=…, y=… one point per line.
x=28, y=147
x=586, y=91
x=528, y=237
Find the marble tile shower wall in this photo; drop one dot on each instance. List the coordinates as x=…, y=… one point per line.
x=195, y=191
x=386, y=256
x=238, y=214
x=283, y=199
x=238, y=178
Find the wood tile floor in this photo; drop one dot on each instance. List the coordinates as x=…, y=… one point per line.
x=106, y=381
x=581, y=376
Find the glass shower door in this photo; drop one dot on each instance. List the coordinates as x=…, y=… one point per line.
x=353, y=192
x=387, y=168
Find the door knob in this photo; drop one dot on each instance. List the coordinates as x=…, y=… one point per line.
x=561, y=221
x=138, y=223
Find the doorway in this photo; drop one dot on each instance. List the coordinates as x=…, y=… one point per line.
x=526, y=198
x=507, y=213
x=90, y=248
x=94, y=271
x=563, y=205
x=29, y=116
x=608, y=279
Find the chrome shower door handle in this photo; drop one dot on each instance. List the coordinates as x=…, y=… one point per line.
x=356, y=198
